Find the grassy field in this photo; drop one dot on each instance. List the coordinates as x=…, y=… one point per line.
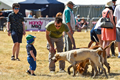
x=16, y=70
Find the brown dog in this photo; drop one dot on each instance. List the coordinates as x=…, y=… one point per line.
x=81, y=66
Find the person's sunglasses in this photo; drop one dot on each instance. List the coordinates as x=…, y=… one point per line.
x=57, y=26
x=16, y=8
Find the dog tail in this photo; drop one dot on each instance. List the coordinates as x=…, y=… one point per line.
x=109, y=45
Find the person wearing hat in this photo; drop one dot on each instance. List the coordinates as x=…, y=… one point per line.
x=108, y=35
x=69, y=19
x=31, y=52
x=117, y=20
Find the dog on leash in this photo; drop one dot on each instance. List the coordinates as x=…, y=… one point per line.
x=77, y=55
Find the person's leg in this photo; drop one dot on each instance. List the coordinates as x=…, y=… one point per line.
x=18, y=45
x=68, y=44
x=90, y=43
x=51, y=54
x=59, y=45
x=108, y=49
x=14, y=50
x=100, y=41
x=32, y=65
x=118, y=49
x=112, y=49
x=17, y=50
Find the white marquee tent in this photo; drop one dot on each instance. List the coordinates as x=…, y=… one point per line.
x=7, y=4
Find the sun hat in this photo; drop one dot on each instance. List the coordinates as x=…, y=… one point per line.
x=30, y=39
x=109, y=4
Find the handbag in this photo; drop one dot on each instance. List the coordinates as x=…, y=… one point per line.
x=106, y=23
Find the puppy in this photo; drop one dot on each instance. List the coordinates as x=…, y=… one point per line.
x=77, y=55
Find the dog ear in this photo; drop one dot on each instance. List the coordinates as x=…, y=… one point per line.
x=57, y=56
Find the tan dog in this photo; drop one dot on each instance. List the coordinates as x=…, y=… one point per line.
x=77, y=55
x=81, y=66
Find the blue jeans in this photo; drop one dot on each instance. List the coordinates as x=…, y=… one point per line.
x=32, y=63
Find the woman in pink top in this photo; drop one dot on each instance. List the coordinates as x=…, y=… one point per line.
x=108, y=35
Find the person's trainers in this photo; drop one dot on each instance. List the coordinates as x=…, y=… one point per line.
x=17, y=59
x=12, y=57
x=28, y=72
x=62, y=71
x=52, y=72
x=33, y=74
x=118, y=56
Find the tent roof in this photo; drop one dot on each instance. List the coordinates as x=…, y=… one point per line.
x=40, y=2
x=10, y=2
x=88, y=2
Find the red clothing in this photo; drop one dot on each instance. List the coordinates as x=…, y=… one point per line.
x=107, y=34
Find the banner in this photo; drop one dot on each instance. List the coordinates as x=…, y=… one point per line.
x=36, y=24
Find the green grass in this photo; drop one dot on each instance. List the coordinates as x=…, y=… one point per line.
x=16, y=70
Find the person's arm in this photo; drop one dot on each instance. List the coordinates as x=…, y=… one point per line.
x=69, y=26
x=8, y=28
x=111, y=17
x=72, y=39
x=116, y=20
x=49, y=41
x=32, y=54
x=24, y=32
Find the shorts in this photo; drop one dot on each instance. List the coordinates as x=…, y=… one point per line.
x=117, y=34
x=93, y=36
x=16, y=37
x=97, y=31
x=32, y=63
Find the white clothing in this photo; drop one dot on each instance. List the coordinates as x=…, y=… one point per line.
x=97, y=26
x=117, y=14
x=72, y=20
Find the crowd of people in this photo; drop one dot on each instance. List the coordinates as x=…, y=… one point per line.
x=63, y=26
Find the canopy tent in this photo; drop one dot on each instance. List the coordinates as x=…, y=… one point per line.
x=7, y=4
x=47, y=7
x=88, y=8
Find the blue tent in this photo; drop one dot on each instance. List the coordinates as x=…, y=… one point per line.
x=47, y=7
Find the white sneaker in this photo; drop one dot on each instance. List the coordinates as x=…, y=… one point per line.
x=52, y=72
x=62, y=71
x=118, y=55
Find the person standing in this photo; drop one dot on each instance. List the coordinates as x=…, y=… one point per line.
x=69, y=19
x=31, y=52
x=112, y=46
x=108, y=35
x=54, y=30
x=2, y=20
x=16, y=28
x=117, y=20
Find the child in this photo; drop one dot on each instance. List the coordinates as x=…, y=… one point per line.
x=31, y=51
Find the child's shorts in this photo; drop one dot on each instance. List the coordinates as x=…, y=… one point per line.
x=32, y=63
